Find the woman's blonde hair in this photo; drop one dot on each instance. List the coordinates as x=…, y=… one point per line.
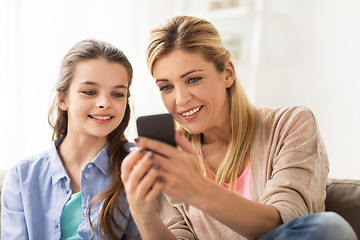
x=198, y=35
x=58, y=120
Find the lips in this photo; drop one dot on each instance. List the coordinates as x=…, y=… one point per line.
x=103, y=118
x=190, y=112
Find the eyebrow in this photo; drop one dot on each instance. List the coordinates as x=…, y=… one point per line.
x=182, y=76
x=95, y=84
x=191, y=71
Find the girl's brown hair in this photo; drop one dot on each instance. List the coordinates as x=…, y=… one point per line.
x=58, y=120
x=198, y=35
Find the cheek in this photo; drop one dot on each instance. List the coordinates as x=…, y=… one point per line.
x=122, y=108
x=167, y=101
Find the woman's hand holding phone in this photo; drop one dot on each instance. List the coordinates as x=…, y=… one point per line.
x=179, y=168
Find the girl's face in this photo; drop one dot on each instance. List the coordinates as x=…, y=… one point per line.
x=193, y=91
x=96, y=99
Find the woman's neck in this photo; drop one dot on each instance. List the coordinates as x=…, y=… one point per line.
x=214, y=146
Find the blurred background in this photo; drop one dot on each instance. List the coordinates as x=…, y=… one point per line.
x=286, y=52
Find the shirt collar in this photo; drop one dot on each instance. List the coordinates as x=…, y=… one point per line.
x=56, y=166
x=101, y=160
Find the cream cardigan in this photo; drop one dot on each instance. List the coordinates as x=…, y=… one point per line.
x=289, y=169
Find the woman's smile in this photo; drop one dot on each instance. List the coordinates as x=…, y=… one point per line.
x=191, y=113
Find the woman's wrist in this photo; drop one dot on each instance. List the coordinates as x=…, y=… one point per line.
x=207, y=193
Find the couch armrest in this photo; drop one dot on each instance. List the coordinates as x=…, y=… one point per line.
x=343, y=197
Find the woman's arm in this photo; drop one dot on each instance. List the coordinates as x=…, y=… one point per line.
x=289, y=192
x=184, y=182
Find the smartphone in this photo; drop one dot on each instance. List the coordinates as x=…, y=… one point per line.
x=159, y=127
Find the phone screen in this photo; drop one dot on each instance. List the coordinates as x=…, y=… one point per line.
x=159, y=127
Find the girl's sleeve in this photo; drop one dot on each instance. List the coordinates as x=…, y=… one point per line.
x=13, y=224
x=298, y=167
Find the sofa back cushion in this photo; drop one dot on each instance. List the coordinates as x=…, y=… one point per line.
x=343, y=197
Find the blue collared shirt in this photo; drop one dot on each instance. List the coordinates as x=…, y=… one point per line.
x=36, y=190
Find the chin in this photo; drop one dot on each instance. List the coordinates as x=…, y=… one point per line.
x=193, y=130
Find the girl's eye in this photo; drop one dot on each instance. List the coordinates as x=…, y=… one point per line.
x=117, y=95
x=194, y=80
x=166, y=88
x=89, y=92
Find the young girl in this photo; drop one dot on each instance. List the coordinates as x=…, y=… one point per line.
x=255, y=173
x=74, y=191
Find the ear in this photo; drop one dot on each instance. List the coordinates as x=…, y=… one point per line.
x=229, y=73
x=62, y=102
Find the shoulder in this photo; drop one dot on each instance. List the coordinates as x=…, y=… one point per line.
x=292, y=125
x=286, y=117
x=291, y=113
x=29, y=163
x=27, y=170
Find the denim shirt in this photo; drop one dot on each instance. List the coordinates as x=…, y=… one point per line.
x=36, y=190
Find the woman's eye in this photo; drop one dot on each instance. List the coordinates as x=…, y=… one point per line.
x=194, y=80
x=117, y=95
x=89, y=92
x=166, y=88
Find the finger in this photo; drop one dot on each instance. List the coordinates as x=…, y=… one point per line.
x=156, y=189
x=130, y=161
x=183, y=143
x=147, y=182
x=139, y=171
x=155, y=146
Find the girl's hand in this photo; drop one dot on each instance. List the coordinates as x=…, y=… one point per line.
x=179, y=168
x=142, y=182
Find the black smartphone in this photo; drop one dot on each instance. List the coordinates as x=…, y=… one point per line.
x=159, y=127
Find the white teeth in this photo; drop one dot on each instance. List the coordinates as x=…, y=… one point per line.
x=191, y=112
x=101, y=118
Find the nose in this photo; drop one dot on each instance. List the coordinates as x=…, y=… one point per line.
x=103, y=102
x=182, y=95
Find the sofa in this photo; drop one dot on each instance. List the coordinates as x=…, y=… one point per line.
x=343, y=197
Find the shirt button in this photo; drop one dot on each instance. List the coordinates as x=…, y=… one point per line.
x=87, y=176
x=90, y=166
x=67, y=191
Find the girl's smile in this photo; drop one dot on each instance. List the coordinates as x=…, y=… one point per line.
x=101, y=118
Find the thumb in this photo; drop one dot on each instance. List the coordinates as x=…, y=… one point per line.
x=184, y=143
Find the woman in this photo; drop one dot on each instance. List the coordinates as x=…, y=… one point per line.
x=247, y=171
x=73, y=191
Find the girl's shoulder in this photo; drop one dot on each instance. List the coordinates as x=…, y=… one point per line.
x=36, y=165
x=36, y=160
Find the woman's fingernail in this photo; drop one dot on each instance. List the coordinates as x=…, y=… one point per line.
x=151, y=156
x=141, y=149
x=157, y=166
x=179, y=131
x=160, y=179
x=136, y=140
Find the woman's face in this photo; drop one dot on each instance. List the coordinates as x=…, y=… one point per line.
x=96, y=99
x=193, y=91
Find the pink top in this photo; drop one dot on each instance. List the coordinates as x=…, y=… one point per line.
x=243, y=183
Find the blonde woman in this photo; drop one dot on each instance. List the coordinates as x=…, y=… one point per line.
x=73, y=190
x=238, y=171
